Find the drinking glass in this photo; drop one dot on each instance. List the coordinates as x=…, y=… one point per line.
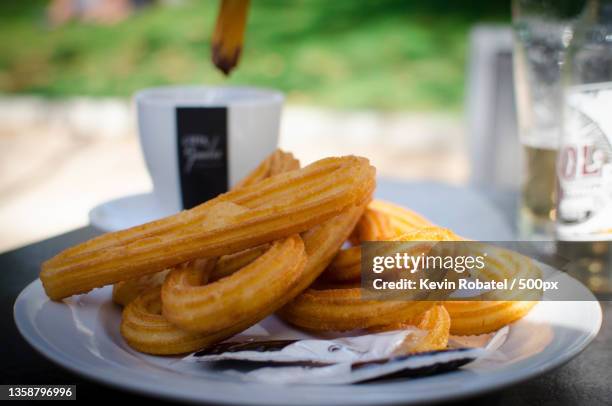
x=542, y=32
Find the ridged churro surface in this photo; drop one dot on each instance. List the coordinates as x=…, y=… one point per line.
x=343, y=309
x=274, y=208
x=195, y=306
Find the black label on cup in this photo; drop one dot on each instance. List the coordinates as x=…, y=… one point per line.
x=202, y=152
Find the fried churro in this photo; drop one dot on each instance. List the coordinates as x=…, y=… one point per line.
x=321, y=244
x=126, y=291
x=402, y=220
x=193, y=305
x=343, y=309
x=346, y=267
x=436, y=324
x=274, y=208
x=145, y=329
x=277, y=162
x=373, y=226
x=228, y=36
x=479, y=316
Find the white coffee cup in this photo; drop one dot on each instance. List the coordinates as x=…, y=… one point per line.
x=198, y=141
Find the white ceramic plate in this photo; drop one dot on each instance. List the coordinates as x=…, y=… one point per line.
x=82, y=335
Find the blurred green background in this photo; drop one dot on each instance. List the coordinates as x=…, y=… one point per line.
x=382, y=54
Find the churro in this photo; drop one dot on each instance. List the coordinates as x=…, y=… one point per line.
x=479, y=315
x=191, y=304
x=228, y=35
x=274, y=208
x=402, y=220
x=343, y=309
x=346, y=267
x=145, y=329
x=126, y=291
x=278, y=162
x=373, y=226
x=436, y=324
x=321, y=244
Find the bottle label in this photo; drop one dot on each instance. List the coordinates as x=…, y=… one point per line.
x=584, y=212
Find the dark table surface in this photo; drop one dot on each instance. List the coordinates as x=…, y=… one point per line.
x=586, y=380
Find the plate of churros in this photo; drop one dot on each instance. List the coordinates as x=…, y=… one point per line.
x=255, y=297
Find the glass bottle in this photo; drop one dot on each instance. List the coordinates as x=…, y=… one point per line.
x=584, y=163
x=542, y=31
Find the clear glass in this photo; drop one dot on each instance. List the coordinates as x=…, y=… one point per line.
x=584, y=224
x=542, y=33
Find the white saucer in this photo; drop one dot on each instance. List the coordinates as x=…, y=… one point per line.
x=126, y=212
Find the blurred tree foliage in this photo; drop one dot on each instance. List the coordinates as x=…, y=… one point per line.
x=385, y=54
